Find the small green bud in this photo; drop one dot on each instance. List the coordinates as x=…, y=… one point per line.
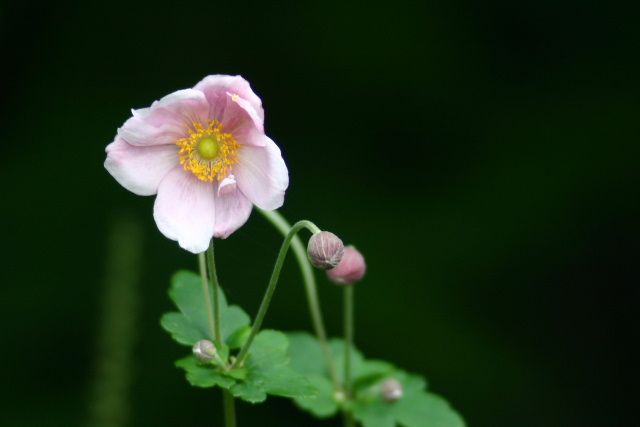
x=205, y=351
x=391, y=390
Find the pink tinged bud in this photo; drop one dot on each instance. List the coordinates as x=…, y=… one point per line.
x=325, y=250
x=351, y=268
x=205, y=351
x=390, y=390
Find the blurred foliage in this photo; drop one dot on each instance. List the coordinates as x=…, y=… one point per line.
x=483, y=156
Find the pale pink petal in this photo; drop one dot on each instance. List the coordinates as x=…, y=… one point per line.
x=185, y=210
x=262, y=175
x=215, y=88
x=241, y=120
x=166, y=120
x=232, y=211
x=227, y=185
x=140, y=169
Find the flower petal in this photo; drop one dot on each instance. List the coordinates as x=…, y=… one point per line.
x=165, y=120
x=262, y=175
x=215, y=88
x=232, y=211
x=140, y=169
x=185, y=210
x=241, y=120
x=227, y=185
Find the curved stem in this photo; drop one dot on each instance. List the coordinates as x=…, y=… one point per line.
x=272, y=287
x=309, y=280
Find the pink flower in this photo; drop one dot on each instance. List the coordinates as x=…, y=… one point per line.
x=351, y=268
x=203, y=151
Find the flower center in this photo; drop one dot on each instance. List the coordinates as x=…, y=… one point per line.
x=207, y=152
x=208, y=148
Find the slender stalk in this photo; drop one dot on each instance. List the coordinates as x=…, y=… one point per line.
x=348, y=337
x=213, y=278
x=272, y=287
x=309, y=280
x=229, y=409
x=205, y=293
x=209, y=275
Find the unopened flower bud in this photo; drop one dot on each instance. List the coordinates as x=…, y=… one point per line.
x=325, y=250
x=351, y=268
x=391, y=390
x=205, y=351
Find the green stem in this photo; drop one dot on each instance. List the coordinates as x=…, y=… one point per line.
x=348, y=337
x=229, y=409
x=272, y=286
x=213, y=278
x=209, y=275
x=309, y=280
x=205, y=293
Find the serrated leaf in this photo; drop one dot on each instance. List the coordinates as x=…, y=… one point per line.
x=268, y=371
x=201, y=375
x=273, y=339
x=374, y=414
x=249, y=391
x=181, y=328
x=424, y=409
x=416, y=408
x=239, y=337
x=306, y=354
x=325, y=405
x=191, y=324
x=237, y=373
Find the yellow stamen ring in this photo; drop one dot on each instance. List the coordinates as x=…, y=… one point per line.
x=207, y=152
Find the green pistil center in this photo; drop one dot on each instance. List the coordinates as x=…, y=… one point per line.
x=208, y=148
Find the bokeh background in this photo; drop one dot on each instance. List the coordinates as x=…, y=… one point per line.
x=482, y=155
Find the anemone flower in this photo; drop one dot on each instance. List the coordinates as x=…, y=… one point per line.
x=204, y=152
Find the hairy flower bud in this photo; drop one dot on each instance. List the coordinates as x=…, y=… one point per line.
x=205, y=351
x=325, y=250
x=391, y=390
x=351, y=268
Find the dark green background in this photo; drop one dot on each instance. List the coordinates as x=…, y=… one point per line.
x=482, y=155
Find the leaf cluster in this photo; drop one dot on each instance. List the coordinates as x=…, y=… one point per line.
x=417, y=407
x=293, y=365
x=266, y=370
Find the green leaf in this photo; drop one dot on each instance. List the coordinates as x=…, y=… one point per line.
x=325, y=405
x=249, y=391
x=373, y=414
x=306, y=354
x=268, y=371
x=201, y=375
x=233, y=319
x=239, y=337
x=191, y=324
x=424, y=409
x=416, y=408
